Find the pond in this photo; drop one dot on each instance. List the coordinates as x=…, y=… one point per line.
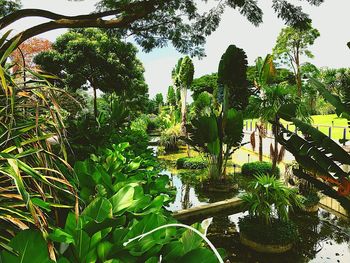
x=323, y=236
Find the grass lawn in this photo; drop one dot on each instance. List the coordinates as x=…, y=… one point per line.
x=323, y=122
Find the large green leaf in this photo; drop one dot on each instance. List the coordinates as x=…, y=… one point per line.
x=202, y=255
x=99, y=209
x=122, y=199
x=234, y=128
x=31, y=247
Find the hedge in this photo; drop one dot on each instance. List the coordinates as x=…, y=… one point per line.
x=191, y=163
x=259, y=168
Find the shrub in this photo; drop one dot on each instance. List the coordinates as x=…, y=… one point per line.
x=278, y=232
x=259, y=168
x=311, y=199
x=191, y=163
x=170, y=137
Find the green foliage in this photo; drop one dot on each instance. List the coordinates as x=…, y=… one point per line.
x=30, y=246
x=86, y=134
x=186, y=72
x=35, y=179
x=170, y=137
x=267, y=198
x=232, y=78
x=171, y=96
x=191, y=163
x=207, y=136
x=254, y=168
x=291, y=39
x=316, y=152
x=92, y=58
x=124, y=197
x=208, y=83
x=311, y=199
x=277, y=232
x=9, y=6
x=159, y=99
x=341, y=106
x=203, y=103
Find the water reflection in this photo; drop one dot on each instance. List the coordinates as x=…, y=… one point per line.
x=323, y=238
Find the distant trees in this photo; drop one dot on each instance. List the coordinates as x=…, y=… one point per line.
x=91, y=58
x=159, y=99
x=208, y=83
x=171, y=96
x=291, y=44
x=25, y=53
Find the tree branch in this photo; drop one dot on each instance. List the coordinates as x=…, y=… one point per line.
x=22, y=13
x=78, y=22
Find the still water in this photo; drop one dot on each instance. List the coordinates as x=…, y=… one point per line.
x=323, y=236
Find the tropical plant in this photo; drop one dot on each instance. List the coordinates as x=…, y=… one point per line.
x=124, y=196
x=183, y=77
x=171, y=96
x=35, y=178
x=266, y=106
x=170, y=137
x=265, y=71
x=218, y=134
x=267, y=198
x=86, y=134
x=316, y=154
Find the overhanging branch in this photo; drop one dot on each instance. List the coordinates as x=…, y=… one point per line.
x=92, y=20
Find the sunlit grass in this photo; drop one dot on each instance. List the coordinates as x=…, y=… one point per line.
x=323, y=122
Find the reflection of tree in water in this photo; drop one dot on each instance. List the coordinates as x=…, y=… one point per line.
x=222, y=226
x=317, y=229
x=314, y=231
x=185, y=196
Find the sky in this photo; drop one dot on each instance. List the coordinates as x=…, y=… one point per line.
x=332, y=19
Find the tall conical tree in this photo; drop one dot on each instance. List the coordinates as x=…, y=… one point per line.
x=185, y=78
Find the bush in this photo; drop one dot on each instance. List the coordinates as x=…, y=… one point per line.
x=278, y=232
x=191, y=163
x=311, y=199
x=259, y=168
x=170, y=137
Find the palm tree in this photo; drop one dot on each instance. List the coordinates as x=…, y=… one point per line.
x=266, y=106
x=264, y=71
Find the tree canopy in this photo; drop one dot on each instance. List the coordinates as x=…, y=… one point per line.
x=85, y=58
x=291, y=44
x=152, y=23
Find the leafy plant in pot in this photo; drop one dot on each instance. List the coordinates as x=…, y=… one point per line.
x=267, y=227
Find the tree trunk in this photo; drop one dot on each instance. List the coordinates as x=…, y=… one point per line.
x=95, y=102
x=183, y=110
x=260, y=147
x=298, y=76
x=183, y=117
x=275, y=155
